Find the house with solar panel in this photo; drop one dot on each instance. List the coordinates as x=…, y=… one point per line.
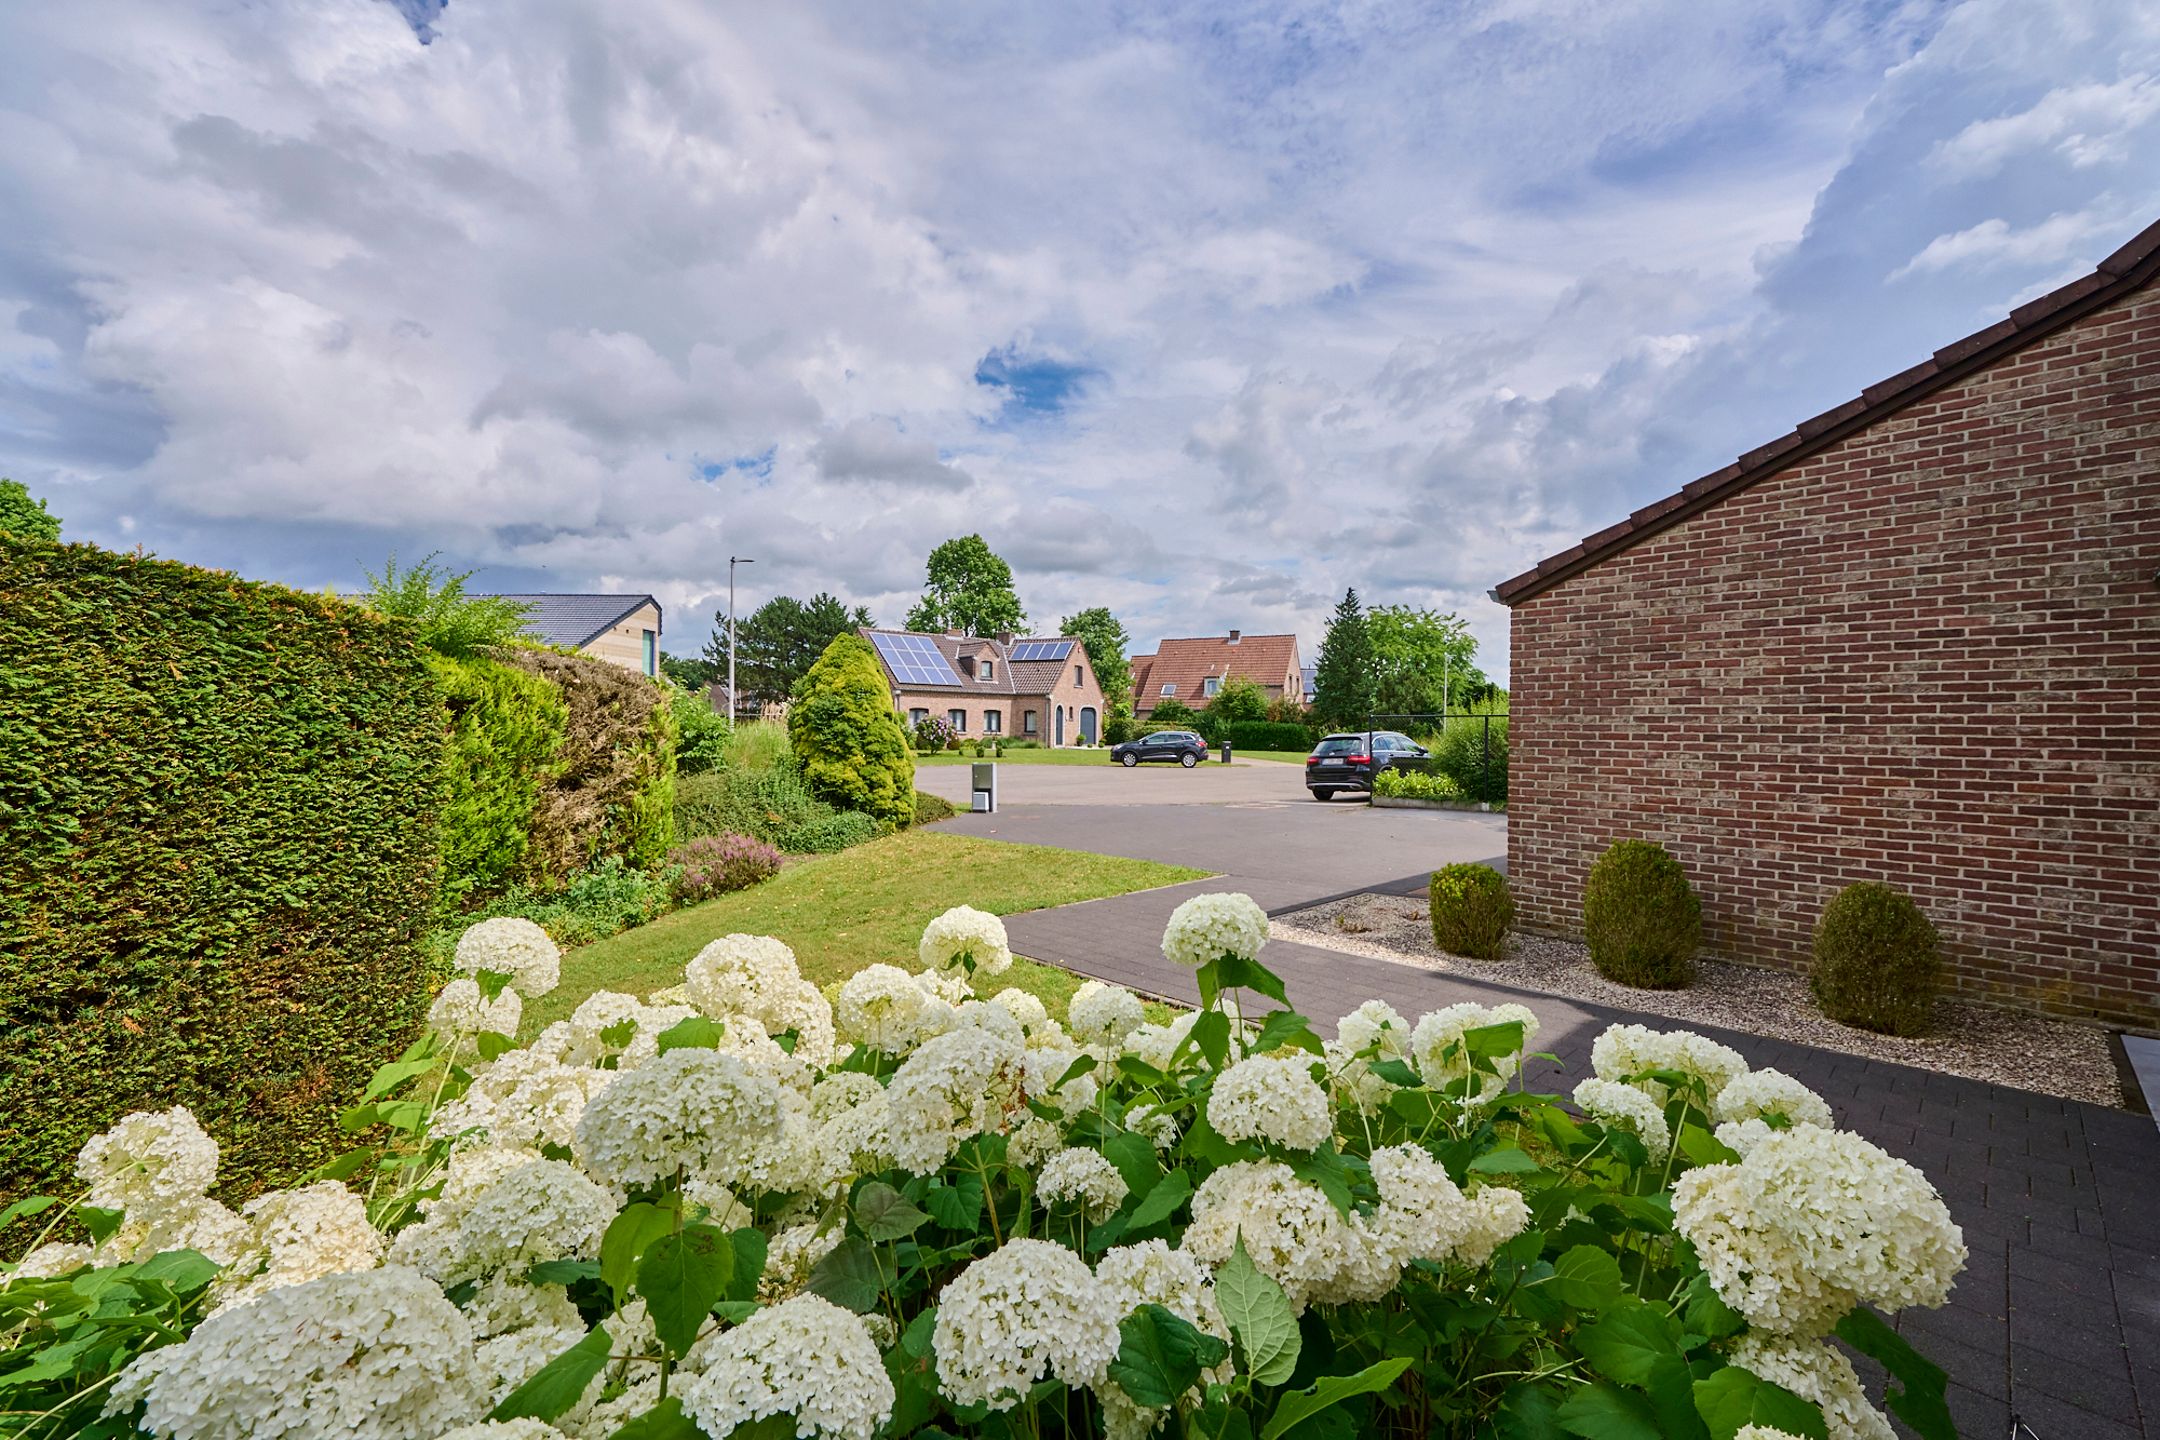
x=995, y=685
x=620, y=629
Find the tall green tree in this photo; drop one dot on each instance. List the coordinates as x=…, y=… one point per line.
x=1423, y=660
x=24, y=516
x=777, y=643
x=1239, y=698
x=969, y=589
x=1106, y=640
x=851, y=745
x=1343, y=678
x=693, y=672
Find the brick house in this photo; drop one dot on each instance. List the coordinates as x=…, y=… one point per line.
x=1190, y=671
x=1041, y=689
x=1917, y=640
x=621, y=629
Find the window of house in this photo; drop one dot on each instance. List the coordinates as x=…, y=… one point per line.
x=917, y=716
x=1027, y=722
x=1210, y=685
x=1079, y=674
x=958, y=720
x=1169, y=687
x=989, y=669
x=993, y=722
x=651, y=646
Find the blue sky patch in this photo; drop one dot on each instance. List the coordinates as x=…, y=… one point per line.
x=1034, y=385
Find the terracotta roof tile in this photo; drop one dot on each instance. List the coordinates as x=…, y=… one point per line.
x=1270, y=660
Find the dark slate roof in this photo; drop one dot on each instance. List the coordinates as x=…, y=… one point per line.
x=1014, y=677
x=2128, y=269
x=574, y=621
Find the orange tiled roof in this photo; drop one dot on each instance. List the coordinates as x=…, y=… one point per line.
x=1268, y=660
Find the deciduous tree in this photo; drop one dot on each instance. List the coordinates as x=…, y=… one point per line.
x=777, y=643
x=1423, y=660
x=1106, y=640
x=969, y=589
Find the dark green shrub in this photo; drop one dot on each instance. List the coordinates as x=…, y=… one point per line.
x=611, y=790
x=1472, y=910
x=506, y=726
x=1474, y=754
x=703, y=733
x=217, y=857
x=1641, y=918
x=760, y=803
x=851, y=746
x=1876, y=960
x=828, y=833
x=1401, y=782
x=1268, y=735
x=1117, y=730
x=930, y=809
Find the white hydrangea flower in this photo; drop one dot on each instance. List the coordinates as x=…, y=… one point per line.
x=296, y=1236
x=1158, y=1126
x=515, y=1353
x=1033, y=1141
x=1151, y=1273
x=982, y=1015
x=689, y=1109
x=959, y=1084
x=792, y=1255
x=1375, y=1027
x=1352, y=1082
x=1742, y=1136
x=1625, y=1107
x=369, y=1355
x=1624, y=1052
x=757, y=976
x=1423, y=1215
x=1104, y=1014
x=1497, y=1215
x=952, y=986
x=882, y=1007
x=804, y=1357
x=52, y=1260
x=461, y=1011
x=525, y=1428
x=1760, y=1093
x=1022, y=1312
x=1442, y=1030
x=600, y=1419
x=1813, y=1220
x=578, y=1040
x=1763, y=1432
x=199, y=1224
x=965, y=941
x=655, y=1020
x=542, y=1210
x=1273, y=1098
x=1291, y=1229
x=510, y=946
x=522, y=1099
x=1044, y=1081
x=854, y=1138
x=1814, y=1371
x=1157, y=1044
x=1085, y=1178
x=150, y=1161
x=1031, y=1013
x=1208, y=927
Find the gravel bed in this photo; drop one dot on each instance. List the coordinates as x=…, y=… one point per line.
x=1978, y=1042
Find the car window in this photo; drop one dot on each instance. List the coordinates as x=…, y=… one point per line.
x=1339, y=745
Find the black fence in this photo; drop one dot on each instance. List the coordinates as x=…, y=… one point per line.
x=1485, y=756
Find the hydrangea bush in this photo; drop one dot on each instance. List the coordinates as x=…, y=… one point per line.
x=740, y=1208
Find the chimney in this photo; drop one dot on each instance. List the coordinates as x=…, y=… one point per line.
x=1005, y=638
x=1234, y=636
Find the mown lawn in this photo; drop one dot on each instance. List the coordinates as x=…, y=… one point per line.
x=1098, y=756
x=842, y=912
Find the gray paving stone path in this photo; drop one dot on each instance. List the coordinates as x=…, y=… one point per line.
x=2056, y=1320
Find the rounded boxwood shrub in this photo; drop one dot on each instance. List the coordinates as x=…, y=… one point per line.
x=1472, y=910
x=1876, y=963
x=1641, y=917
x=852, y=747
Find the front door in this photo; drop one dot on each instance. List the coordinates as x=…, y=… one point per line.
x=1060, y=725
x=1087, y=724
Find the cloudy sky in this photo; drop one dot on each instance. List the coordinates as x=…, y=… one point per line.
x=1202, y=312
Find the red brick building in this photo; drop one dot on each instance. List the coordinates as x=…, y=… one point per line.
x=1917, y=640
x=1191, y=670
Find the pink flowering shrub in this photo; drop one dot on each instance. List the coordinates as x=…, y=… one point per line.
x=715, y=864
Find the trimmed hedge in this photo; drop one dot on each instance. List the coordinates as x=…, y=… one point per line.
x=611, y=789
x=1472, y=910
x=1641, y=918
x=217, y=856
x=506, y=727
x=1877, y=963
x=1267, y=735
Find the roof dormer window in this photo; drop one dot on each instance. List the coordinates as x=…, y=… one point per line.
x=989, y=669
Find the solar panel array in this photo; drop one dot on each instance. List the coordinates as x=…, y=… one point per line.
x=915, y=659
x=1042, y=650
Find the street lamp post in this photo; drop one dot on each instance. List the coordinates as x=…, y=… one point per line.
x=732, y=562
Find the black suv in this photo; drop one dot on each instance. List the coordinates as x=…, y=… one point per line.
x=1348, y=761
x=1182, y=746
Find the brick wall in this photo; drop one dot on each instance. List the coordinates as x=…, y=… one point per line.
x=1929, y=655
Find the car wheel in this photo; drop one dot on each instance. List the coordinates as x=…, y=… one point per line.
x=1128, y=759
x=1321, y=792
x=1188, y=760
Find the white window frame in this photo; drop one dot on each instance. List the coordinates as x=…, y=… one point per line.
x=957, y=718
x=989, y=669
x=1211, y=686
x=1030, y=723
x=1169, y=689
x=993, y=722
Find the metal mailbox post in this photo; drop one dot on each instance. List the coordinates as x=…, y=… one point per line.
x=984, y=788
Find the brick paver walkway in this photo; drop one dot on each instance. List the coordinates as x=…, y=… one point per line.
x=2056, y=1319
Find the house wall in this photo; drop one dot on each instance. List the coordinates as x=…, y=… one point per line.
x=1076, y=687
x=1071, y=692
x=624, y=645
x=1929, y=655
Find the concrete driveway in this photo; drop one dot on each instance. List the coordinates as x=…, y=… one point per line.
x=1252, y=820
